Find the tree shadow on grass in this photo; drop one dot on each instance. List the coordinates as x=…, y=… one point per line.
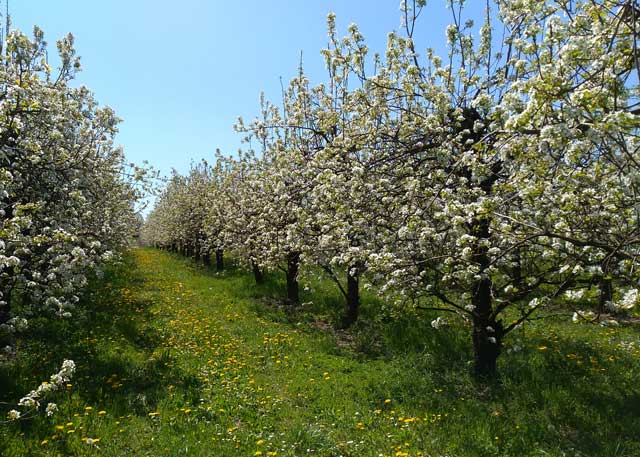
x=571, y=398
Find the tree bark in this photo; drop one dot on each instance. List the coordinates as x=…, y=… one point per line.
x=206, y=258
x=487, y=332
x=293, y=267
x=606, y=293
x=257, y=273
x=219, y=259
x=353, y=297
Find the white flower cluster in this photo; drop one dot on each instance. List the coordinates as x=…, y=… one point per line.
x=31, y=401
x=628, y=301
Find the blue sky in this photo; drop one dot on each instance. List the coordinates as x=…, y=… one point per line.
x=180, y=73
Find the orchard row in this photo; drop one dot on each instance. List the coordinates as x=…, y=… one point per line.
x=66, y=195
x=499, y=179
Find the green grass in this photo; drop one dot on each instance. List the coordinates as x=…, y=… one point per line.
x=176, y=360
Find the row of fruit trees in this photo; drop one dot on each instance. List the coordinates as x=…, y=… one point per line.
x=67, y=197
x=500, y=178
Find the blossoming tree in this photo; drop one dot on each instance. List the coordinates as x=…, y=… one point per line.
x=66, y=195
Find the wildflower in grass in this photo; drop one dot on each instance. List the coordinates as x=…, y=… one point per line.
x=91, y=441
x=13, y=415
x=102, y=413
x=542, y=348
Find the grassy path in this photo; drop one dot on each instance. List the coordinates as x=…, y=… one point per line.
x=177, y=361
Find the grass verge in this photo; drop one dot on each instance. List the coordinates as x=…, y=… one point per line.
x=176, y=360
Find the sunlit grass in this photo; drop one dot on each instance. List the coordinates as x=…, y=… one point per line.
x=176, y=360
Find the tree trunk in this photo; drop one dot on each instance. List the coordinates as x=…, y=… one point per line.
x=257, y=273
x=487, y=332
x=206, y=258
x=606, y=293
x=219, y=259
x=353, y=297
x=293, y=266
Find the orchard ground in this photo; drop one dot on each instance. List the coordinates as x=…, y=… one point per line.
x=174, y=360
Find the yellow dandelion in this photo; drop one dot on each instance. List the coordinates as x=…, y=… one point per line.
x=91, y=441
